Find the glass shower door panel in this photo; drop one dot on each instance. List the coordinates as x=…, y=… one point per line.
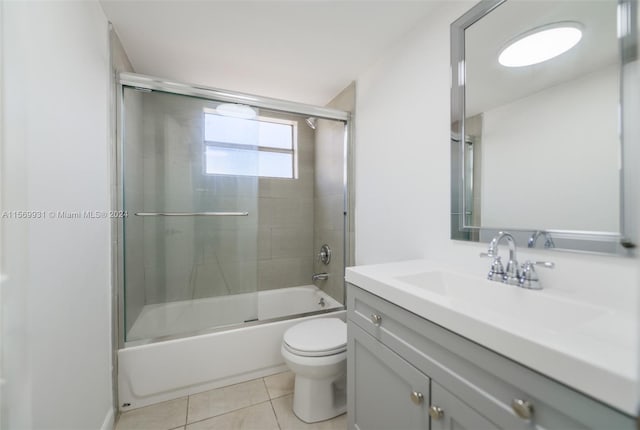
x=190, y=252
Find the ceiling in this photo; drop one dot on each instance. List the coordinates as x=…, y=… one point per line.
x=299, y=50
x=489, y=84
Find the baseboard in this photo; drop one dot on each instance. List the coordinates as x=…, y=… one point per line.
x=109, y=420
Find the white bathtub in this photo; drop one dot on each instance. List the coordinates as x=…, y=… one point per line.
x=159, y=371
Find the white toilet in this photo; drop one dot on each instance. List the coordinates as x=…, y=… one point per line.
x=316, y=351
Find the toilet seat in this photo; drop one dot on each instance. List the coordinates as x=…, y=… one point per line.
x=314, y=353
x=319, y=337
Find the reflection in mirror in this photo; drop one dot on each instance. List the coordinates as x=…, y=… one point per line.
x=541, y=148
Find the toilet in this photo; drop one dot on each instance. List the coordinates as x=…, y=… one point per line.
x=316, y=352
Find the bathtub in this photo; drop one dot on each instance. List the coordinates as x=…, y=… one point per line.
x=163, y=370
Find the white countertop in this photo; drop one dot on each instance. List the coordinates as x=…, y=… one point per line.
x=589, y=348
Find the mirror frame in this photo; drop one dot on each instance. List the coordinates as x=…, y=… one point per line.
x=621, y=243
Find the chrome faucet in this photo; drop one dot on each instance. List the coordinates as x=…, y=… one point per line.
x=510, y=275
x=548, y=240
x=525, y=277
x=320, y=276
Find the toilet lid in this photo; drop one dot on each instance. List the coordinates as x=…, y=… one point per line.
x=328, y=335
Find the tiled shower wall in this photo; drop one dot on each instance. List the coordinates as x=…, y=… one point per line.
x=285, y=230
x=329, y=196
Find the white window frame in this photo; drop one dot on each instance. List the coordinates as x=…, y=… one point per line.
x=293, y=151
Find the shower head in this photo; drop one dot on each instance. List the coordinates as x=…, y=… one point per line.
x=311, y=122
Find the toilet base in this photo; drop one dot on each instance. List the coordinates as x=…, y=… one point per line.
x=319, y=399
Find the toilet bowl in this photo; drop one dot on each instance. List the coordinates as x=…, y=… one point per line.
x=316, y=352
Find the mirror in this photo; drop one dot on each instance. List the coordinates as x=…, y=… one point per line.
x=536, y=141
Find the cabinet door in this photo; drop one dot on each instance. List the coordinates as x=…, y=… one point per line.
x=384, y=391
x=454, y=414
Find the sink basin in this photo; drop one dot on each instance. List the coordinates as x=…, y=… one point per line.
x=475, y=296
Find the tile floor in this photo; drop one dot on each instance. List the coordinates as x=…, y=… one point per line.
x=261, y=404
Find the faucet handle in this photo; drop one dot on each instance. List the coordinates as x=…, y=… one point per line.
x=529, y=277
x=324, y=256
x=546, y=264
x=496, y=271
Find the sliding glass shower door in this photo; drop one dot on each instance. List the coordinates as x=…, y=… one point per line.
x=189, y=171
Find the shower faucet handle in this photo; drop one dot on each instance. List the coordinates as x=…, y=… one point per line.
x=324, y=255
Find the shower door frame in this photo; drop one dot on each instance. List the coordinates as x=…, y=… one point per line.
x=152, y=83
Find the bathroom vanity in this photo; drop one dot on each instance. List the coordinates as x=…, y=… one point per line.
x=425, y=352
x=432, y=348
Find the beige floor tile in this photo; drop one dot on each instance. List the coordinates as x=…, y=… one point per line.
x=256, y=417
x=161, y=416
x=287, y=420
x=222, y=400
x=280, y=384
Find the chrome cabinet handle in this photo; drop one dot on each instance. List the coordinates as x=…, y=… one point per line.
x=417, y=397
x=435, y=412
x=376, y=319
x=522, y=408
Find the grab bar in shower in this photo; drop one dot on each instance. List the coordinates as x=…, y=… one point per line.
x=192, y=213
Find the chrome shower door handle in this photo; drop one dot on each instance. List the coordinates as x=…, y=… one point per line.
x=192, y=213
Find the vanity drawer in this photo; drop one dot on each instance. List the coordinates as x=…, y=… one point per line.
x=483, y=379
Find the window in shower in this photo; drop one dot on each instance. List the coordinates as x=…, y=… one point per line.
x=231, y=146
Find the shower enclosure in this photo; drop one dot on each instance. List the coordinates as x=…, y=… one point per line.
x=228, y=199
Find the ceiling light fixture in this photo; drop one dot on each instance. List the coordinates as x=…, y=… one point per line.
x=236, y=110
x=541, y=44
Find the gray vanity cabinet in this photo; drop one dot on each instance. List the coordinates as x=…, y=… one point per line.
x=404, y=372
x=392, y=394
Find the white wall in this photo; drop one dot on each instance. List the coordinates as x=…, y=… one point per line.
x=56, y=327
x=403, y=167
x=577, y=122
